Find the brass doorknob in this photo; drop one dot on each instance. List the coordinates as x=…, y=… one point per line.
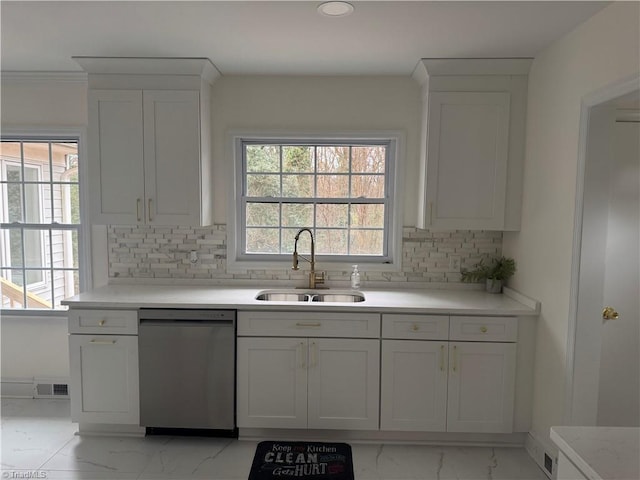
x=609, y=313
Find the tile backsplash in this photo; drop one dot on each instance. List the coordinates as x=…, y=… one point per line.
x=154, y=253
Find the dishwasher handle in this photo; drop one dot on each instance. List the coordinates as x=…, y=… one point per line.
x=185, y=314
x=185, y=323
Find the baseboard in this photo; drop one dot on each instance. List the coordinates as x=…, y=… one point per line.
x=544, y=453
x=16, y=387
x=377, y=436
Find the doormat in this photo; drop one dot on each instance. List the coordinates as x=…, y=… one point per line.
x=302, y=460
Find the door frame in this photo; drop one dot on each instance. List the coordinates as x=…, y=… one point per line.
x=584, y=339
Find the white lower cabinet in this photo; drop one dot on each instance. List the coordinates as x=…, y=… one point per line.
x=448, y=385
x=481, y=387
x=104, y=379
x=414, y=385
x=306, y=381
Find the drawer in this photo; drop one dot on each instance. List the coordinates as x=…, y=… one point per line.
x=419, y=327
x=103, y=321
x=308, y=324
x=483, y=329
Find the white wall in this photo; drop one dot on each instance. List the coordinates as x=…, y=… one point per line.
x=37, y=346
x=602, y=50
x=315, y=104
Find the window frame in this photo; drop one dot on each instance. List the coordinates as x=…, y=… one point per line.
x=238, y=261
x=59, y=134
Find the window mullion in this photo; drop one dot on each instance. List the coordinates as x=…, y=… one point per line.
x=53, y=279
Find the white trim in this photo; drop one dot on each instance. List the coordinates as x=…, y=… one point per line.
x=627, y=115
x=394, y=234
x=427, y=67
x=602, y=95
x=20, y=78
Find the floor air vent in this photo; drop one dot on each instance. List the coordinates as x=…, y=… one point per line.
x=51, y=390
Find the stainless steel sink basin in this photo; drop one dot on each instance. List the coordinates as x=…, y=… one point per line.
x=310, y=296
x=282, y=297
x=338, y=297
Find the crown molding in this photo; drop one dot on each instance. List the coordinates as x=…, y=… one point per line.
x=427, y=67
x=43, y=77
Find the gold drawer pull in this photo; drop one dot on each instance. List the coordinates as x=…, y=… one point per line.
x=415, y=327
x=483, y=329
x=102, y=342
x=308, y=324
x=102, y=322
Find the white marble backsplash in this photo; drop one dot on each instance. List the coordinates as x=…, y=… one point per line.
x=163, y=253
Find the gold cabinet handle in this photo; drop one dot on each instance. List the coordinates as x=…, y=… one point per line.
x=313, y=354
x=442, y=358
x=102, y=342
x=415, y=327
x=455, y=358
x=483, y=329
x=102, y=322
x=149, y=202
x=609, y=313
x=138, y=204
x=430, y=213
x=308, y=324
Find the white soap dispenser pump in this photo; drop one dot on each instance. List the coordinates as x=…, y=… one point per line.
x=355, y=277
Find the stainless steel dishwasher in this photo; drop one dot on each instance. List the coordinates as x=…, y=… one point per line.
x=187, y=370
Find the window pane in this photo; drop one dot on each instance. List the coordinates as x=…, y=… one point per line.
x=333, y=159
x=65, y=248
x=288, y=241
x=367, y=186
x=297, y=186
x=66, y=203
x=33, y=208
x=15, y=247
x=367, y=215
x=263, y=185
x=367, y=242
x=297, y=159
x=333, y=186
x=36, y=159
x=35, y=253
x=13, y=194
x=10, y=151
x=297, y=215
x=332, y=215
x=263, y=214
x=263, y=158
x=263, y=240
x=65, y=160
x=331, y=242
x=369, y=159
x=67, y=285
x=39, y=289
x=11, y=289
x=14, y=173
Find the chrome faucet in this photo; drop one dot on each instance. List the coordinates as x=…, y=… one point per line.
x=315, y=278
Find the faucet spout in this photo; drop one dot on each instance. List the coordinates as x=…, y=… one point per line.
x=315, y=278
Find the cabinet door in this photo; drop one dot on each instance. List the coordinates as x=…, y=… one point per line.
x=172, y=157
x=344, y=381
x=272, y=382
x=104, y=379
x=414, y=385
x=467, y=152
x=481, y=387
x=116, y=157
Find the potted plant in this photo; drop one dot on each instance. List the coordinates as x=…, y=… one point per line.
x=494, y=274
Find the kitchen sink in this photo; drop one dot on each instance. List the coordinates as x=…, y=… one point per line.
x=310, y=296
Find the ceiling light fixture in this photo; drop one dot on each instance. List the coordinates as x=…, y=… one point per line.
x=335, y=9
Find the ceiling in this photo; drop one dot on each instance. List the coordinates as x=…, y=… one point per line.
x=288, y=38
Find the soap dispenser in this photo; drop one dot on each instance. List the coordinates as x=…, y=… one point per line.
x=355, y=277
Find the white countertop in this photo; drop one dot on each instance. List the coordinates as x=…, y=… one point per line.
x=413, y=301
x=601, y=453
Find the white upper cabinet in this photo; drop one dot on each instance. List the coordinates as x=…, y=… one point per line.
x=472, y=143
x=149, y=146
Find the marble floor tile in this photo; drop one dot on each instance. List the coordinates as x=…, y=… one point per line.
x=39, y=441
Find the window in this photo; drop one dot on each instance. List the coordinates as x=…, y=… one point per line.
x=342, y=189
x=40, y=238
